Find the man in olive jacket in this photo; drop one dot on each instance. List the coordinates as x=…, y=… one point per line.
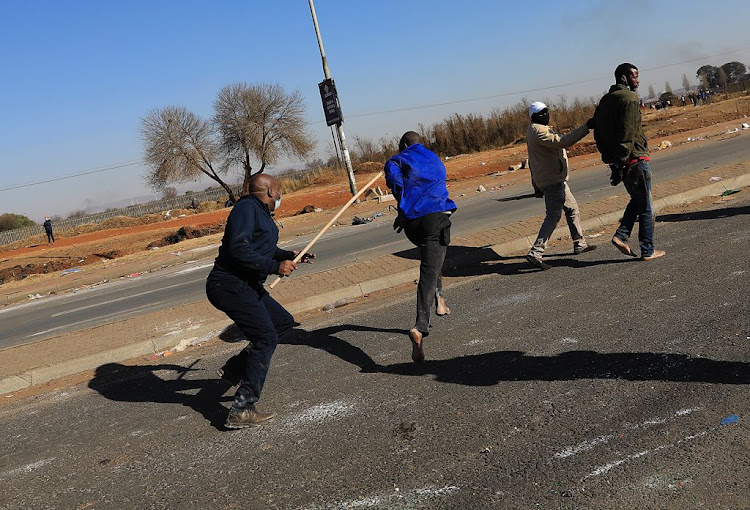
x=548, y=161
x=623, y=145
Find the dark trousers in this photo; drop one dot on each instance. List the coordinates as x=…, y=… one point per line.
x=260, y=318
x=50, y=237
x=640, y=207
x=432, y=234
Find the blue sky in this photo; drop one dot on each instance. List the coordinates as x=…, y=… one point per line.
x=79, y=75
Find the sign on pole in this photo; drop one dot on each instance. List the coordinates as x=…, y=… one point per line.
x=330, y=102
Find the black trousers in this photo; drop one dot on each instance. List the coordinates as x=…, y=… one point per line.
x=50, y=237
x=260, y=318
x=432, y=235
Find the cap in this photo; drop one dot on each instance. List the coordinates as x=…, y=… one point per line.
x=536, y=107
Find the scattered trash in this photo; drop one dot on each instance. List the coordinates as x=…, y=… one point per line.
x=513, y=168
x=482, y=163
x=715, y=179
x=318, y=209
x=154, y=247
x=730, y=192
x=168, y=214
x=176, y=253
x=481, y=189
x=733, y=130
x=733, y=418
x=596, y=235
x=132, y=275
x=463, y=194
x=71, y=270
x=307, y=209
x=359, y=221
x=339, y=303
x=406, y=430
x=182, y=215
x=35, y=296
x=745, y=125
x=666, y=144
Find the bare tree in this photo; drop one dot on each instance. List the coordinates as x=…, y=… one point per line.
x=260, y=123
x=685, y=82
x=180, y=146
x=651, y=92
x=723, y=79
x=667, y=88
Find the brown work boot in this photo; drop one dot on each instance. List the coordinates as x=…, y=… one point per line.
x=655, y=255
x=442, y=308
x=538, y=262
x=242, y=418
x=417, y=353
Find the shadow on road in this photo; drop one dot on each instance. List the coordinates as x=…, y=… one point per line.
x=124, y=383
x=713, y=214
x=491, y=368
x=517, y=197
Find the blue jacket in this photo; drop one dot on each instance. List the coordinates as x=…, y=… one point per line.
x=248, y=249
x=416, y=176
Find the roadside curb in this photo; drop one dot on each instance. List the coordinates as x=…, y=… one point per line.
x=203, y=333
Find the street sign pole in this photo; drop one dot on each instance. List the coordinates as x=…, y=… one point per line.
x=329, y=101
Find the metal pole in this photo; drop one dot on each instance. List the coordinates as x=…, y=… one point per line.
x=339, y=126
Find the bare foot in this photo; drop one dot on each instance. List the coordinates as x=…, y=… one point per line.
x=442, y=308
x=417, y=354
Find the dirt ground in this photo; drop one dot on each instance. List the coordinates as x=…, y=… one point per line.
x=33, y=257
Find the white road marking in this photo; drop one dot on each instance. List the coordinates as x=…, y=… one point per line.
x=592, y=443
x=87, y=321
x=195, y=268
x=28, y=468
x=131, y=296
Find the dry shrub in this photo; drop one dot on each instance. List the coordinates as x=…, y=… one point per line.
x=368, y=167
x=210, y=206
x=86, y=228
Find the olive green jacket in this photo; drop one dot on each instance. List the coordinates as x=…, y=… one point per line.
x=618, y=127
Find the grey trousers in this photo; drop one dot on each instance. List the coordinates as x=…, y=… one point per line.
x=558, y=198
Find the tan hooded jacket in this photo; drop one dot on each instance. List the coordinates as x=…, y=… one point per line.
x=548, y=159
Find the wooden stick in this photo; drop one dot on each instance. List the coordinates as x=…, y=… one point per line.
x=328, y=225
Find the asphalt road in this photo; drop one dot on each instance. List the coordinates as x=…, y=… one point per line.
x=69, y=312
x=601, y=383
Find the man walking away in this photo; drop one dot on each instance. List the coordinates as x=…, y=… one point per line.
x=48, y=229
x=623, y=145
x=416, y=176
x=247, y=255
x=548, y=161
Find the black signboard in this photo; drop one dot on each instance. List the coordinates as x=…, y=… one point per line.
x=330, y=102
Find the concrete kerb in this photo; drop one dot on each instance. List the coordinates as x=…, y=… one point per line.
x=208, y=331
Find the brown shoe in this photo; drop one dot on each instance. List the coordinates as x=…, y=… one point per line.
x=240, y=419
x=655, y=255
x=417, y=353
x=538, y=262
x=623, y=247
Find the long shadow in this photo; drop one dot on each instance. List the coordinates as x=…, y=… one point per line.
x=325, y=339
x=124, y=383
x=712, y=214
x=476, y=261
x=490, y=368
x=517, y=197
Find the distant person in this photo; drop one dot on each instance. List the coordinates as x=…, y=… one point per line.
x=682, y=99
x=416, y=176
x=193, y=205
x=623, y=145
x=548, y=161
x=247, y=255
x=48, y=229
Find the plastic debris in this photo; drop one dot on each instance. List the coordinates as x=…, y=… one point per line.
x=176, y=253
x=481, y=189
x=71, y=270
x=359, y=221
x=732, y=418
x=596, y=235
x=35, y=296
x=339, y=303
x=745, y=125
x=666, y=144
x=132, y=275
x=715, y=179
x=730, y=192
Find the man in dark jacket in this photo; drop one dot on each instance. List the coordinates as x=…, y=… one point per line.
x=417, y=178
x=620, y=139
x=48, y=229
x=247, y=255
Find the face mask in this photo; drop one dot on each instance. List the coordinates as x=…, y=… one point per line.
x=277, y=204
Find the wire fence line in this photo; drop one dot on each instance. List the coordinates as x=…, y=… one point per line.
x=133, y=211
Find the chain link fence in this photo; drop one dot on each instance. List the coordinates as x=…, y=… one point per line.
x=134, y=211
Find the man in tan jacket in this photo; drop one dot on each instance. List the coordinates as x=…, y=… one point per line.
x=548, y=162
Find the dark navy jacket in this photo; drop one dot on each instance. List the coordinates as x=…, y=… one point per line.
x=248, y=249
x=416, y=176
